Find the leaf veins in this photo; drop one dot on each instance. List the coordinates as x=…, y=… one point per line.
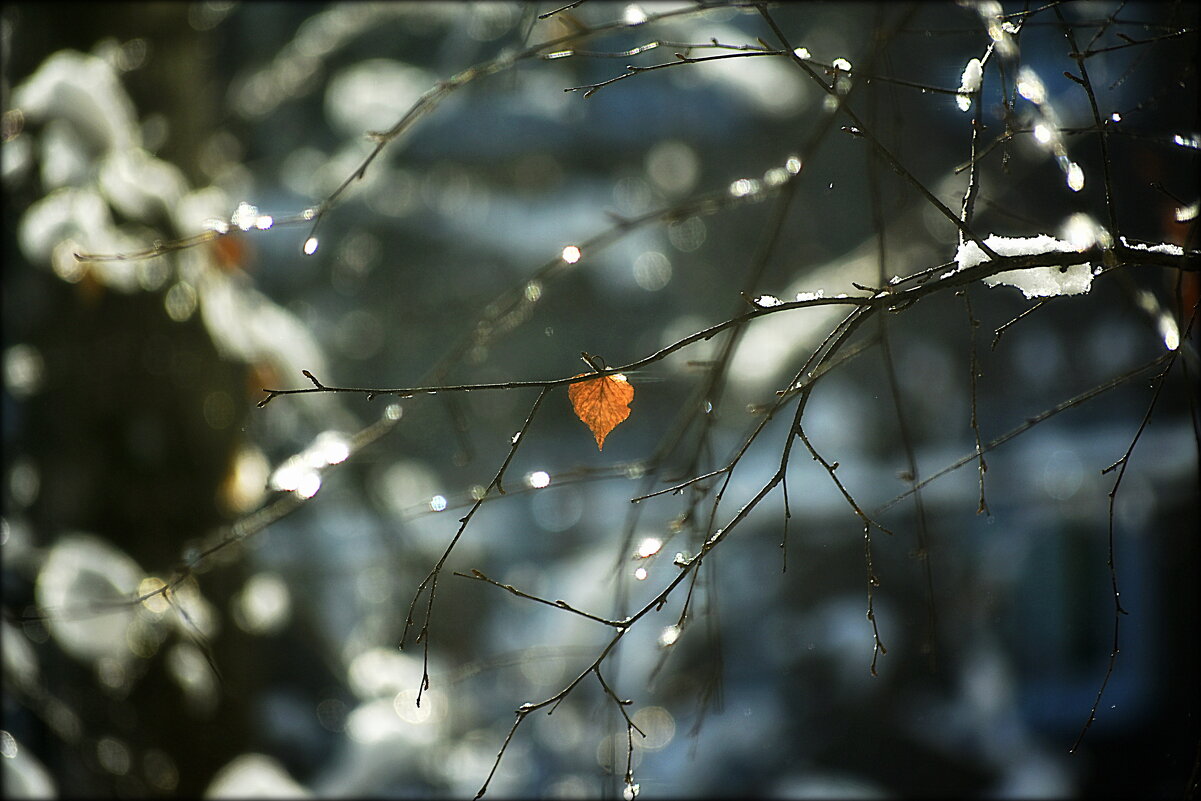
x=601, y=403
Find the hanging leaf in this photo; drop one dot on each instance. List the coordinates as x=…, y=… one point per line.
x=601, y=403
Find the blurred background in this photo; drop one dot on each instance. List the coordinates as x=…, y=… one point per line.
x=132, y=440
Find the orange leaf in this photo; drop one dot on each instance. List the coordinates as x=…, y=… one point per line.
x=601, y=403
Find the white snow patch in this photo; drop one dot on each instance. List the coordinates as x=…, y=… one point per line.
x=969, y=84
x=1045, y=282
x=1034, y=282
x=1171, y=250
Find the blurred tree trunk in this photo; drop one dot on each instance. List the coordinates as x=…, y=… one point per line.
x=136, y=428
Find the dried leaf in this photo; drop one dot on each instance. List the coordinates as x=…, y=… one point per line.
x=601, y=403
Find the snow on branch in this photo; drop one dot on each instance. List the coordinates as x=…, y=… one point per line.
x=1035, y=282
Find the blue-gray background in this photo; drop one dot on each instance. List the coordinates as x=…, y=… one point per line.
x=131, y=435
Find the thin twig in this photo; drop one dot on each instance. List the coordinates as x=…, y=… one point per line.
x=632, y=70
x=242, y=529
x=1083, y=80
x=479, y=576
x=1030, y=423
x=1005, y=327
x=974, y=372
x=863, y=131
x=429, y=585
x=1120, y=465
x=561, y=9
